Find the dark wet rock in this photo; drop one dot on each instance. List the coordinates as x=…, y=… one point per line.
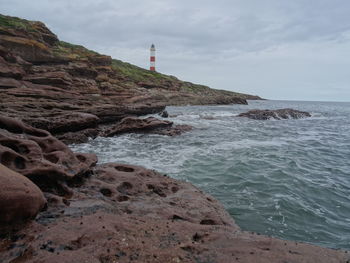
x=20, y=199
x=81, y=136
x=42, y=158
x=148, y=125
x=164, y=114
x=275, y=114
x=132, y=124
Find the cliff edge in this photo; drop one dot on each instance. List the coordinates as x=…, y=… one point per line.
x=60, y=87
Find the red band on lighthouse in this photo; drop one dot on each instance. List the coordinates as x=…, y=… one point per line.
x=153, y=58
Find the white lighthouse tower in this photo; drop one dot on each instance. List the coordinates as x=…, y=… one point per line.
x=153, y=58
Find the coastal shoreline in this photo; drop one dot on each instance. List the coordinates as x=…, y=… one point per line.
x=112, y=212
x=124, y=213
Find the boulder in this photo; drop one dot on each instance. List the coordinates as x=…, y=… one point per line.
x=275, y=114
x=20, y=199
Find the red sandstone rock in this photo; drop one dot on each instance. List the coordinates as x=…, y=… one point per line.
x=127, y=213
x=58, y=79
x=60, y=123
x=29, y=49
x=81, y=136
x=9, y=83
x=20, y=199
x=148, y=125
x=10, y=70
x=132, y=124
x=39, y=156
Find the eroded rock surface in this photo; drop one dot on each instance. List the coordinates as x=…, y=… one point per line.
x=126, y=213
x=39, y=156
x=20, y=199
x=275, y=114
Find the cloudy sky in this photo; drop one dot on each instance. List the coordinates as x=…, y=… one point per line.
x=278, y=49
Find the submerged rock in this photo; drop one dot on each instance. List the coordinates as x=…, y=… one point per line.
x=275, y=114
x=20, y=199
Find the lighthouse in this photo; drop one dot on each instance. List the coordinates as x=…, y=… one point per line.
x=153, y=58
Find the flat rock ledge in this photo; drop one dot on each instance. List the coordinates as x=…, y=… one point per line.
x=279, y=114
x=125, y=213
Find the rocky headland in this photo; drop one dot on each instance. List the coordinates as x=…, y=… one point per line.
x=60, y=206
x=61, y=88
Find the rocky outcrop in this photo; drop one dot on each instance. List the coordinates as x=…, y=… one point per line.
x=275, y=114
x=127, y=213
x=53, y=85
x=40, y=157
x=147, y=125
x=65, y=122
x=20, y=199
x=134, y=125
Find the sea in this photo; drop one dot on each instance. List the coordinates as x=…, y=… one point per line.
x=284, y=178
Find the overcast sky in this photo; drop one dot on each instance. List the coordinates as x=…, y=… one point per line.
x=278, y=49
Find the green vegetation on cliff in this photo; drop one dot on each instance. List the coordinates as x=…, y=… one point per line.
x=16, y=23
